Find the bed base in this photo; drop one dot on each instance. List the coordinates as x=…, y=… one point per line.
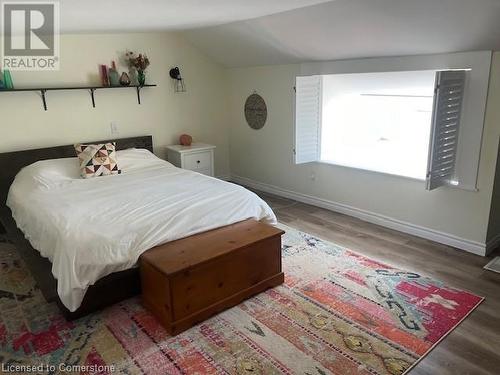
x=106, y=291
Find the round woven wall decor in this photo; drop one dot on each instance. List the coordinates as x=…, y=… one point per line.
x=255, y=111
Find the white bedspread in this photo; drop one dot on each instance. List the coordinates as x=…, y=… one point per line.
x=89, y=228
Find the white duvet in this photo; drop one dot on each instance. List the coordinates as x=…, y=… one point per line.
x=89, y=228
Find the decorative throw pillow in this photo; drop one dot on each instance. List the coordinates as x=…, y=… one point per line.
x=97, y=160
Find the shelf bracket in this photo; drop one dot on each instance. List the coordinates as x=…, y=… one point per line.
x=92, y=90
x=138, y=88
x=42, y=92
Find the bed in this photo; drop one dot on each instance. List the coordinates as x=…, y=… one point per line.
x=89, y=233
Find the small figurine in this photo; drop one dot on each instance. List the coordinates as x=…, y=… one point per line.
x=124, y=79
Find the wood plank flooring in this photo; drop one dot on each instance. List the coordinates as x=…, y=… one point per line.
x=474, y=346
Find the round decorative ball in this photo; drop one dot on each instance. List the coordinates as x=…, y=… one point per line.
x=186, y=140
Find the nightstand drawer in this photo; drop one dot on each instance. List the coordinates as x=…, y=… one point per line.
x=198, y=161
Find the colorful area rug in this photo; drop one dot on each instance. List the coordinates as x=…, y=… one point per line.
x=338, y=312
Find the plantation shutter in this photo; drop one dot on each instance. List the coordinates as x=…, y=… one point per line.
x=308, y=102
x=446, y=113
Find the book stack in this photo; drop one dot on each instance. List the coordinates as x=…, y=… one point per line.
x=104, y=75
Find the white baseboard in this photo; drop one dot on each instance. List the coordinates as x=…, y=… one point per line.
x=474, y=247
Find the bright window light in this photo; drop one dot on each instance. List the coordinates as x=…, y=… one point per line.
x=378, y=121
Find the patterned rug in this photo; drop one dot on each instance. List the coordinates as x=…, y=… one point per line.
x=337, y=313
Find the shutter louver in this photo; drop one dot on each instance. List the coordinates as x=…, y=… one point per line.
x=308, y=102
x=446, y=113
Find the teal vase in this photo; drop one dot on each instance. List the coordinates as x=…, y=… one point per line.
x=141, y=77
x=7, y=80
x=114, y=77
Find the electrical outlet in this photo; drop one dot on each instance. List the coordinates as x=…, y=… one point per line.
x=114, y=128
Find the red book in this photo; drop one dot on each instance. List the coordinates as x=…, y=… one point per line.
x=104, y=75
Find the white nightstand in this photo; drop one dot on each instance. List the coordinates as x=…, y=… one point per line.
x=198, y=157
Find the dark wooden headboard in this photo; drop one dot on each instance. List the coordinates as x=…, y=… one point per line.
x=12, y=162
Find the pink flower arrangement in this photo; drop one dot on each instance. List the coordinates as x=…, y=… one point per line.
x=140, y=62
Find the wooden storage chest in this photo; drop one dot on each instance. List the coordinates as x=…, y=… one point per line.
x=186, y=281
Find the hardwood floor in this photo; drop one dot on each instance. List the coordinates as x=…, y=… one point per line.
x=474, y=346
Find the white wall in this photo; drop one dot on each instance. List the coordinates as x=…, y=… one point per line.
x=214, y=101
x=452, y=216
x=70, y=117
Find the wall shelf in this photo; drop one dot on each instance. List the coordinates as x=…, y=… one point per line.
x=90, y=89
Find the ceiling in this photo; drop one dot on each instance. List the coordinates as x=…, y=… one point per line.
x=145, y=15
x=344, y=29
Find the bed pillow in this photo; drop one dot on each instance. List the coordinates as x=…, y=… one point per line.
x=49, y=174
x=97, y=159
x=139, y=159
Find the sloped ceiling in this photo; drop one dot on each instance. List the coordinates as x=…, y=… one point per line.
x=344, y=29
x=146, y=15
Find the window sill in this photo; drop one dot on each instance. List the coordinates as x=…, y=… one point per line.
x=371, y=171
x=422, y=180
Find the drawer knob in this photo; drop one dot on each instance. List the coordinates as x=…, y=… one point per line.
x=198, y=161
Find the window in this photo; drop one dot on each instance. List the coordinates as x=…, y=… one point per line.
x=401, y=123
